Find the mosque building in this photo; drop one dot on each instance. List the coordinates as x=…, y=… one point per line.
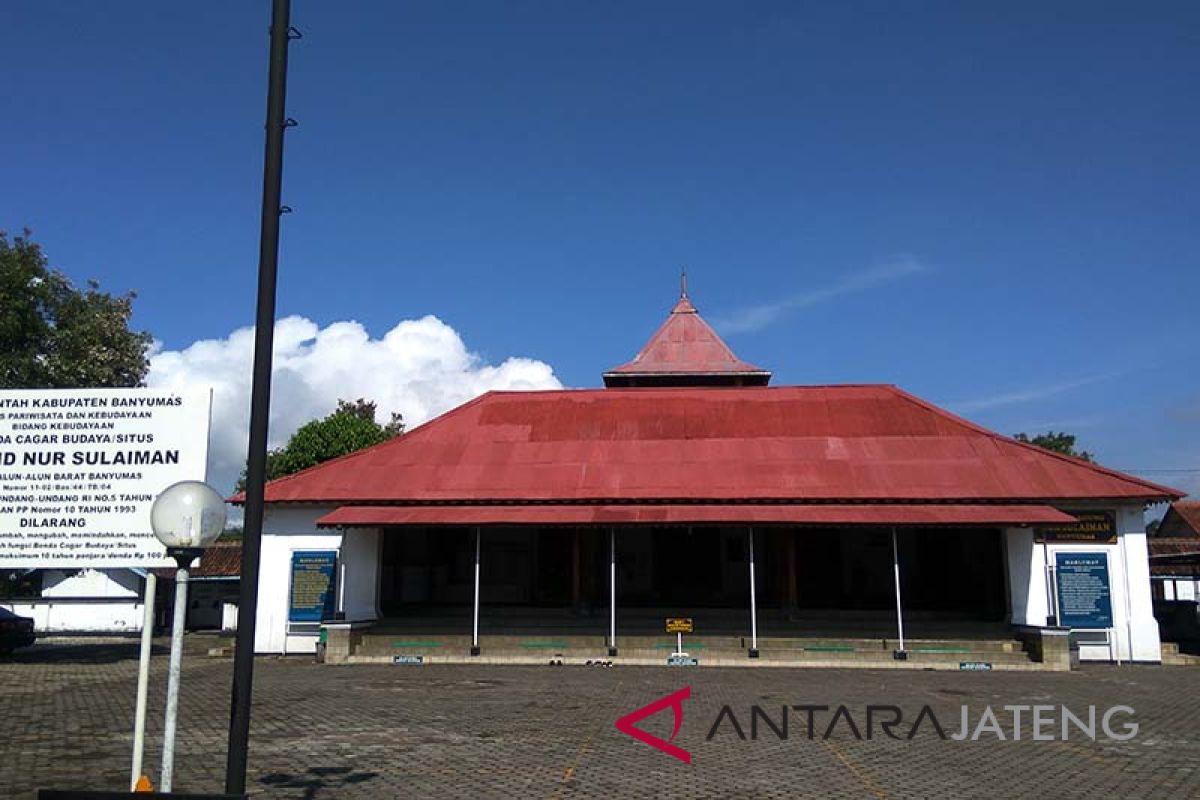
x=780, y=520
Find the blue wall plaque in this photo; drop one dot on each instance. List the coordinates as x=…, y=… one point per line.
x=313, y=584
x=1084, y=593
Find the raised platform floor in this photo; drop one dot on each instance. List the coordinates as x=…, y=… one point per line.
x=722, y=638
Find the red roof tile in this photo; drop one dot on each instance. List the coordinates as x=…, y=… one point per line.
x=685, y=345
x=820, y=443
x=923, y=514
x=222, y=560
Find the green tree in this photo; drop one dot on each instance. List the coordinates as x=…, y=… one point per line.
x=20, y=584
x=232, y=533
x=1057, y=442
x=54, y=335
x=350, y=427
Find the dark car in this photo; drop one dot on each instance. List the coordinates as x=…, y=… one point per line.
x=15, y=631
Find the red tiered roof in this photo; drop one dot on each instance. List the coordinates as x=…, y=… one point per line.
x=700, y=439
x=686, y=351
x=820, y=444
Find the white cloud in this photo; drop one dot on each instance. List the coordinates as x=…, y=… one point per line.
x=420, y=368
x=753, y=318
x=1071, y=424
x=1030, y=394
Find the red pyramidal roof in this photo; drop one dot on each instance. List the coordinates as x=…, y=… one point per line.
x=814, y=444
x=686, y=351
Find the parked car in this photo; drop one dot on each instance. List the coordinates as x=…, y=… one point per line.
x=15, y=631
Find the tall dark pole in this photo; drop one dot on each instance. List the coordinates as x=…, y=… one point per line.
x=260, y=402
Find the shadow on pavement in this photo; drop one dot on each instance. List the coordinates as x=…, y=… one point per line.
x=77, y=652
x=327, y=780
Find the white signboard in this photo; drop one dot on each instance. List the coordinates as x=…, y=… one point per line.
x=80, y=468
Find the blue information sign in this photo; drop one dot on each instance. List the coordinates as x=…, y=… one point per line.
x=313, y=583
x=1084, y=594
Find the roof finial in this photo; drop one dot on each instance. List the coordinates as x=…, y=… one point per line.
x=683, y=283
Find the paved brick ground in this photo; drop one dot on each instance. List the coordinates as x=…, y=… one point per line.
x=476, y=731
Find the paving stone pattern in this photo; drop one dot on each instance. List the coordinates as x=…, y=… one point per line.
x=381, y=731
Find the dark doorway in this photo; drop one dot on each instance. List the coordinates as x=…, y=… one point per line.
x=948, y=572
x=954, y=572
x=435, y=566
x=687, y=566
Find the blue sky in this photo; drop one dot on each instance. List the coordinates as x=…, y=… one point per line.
x=991, y=205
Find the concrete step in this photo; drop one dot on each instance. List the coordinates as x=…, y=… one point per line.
x=375, y=643
x=1172, y=657
x=836, y=655
x=538, y=651
x=952, y=645
x=998, y=662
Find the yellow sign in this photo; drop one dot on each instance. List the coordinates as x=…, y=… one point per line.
x=680, y=625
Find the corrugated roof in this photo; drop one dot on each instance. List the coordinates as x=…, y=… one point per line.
x=685, y=345
x=1181, y=519
x=1174, y=556
x=819, y=443
x=921, y=514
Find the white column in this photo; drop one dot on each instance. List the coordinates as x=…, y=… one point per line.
x=1140, y=635
x=612, y=591
x=174, y=670
x=1121, y=541
x=340, y=608
x=358, y=561
x=139, y=720
x=475, y=613
x=899, y=609
x=1028, y=584
x=753, y=603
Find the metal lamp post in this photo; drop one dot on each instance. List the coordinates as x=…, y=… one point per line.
x=187, y=517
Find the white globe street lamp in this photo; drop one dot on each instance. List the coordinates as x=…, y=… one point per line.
x=187, y=517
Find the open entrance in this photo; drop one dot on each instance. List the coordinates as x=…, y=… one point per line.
x=952, y=581
x=810, y=581
x=427, y=568
x=956, y=573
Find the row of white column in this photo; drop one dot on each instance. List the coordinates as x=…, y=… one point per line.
x=612, y=589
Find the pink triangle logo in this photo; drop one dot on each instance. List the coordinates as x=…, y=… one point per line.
x=626, y=724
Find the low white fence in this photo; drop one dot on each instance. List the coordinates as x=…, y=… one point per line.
x=80, y=616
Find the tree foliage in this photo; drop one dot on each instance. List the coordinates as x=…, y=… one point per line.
x=20, y=584
x=1057, y=442
x=54, y=335
x=349, y=428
